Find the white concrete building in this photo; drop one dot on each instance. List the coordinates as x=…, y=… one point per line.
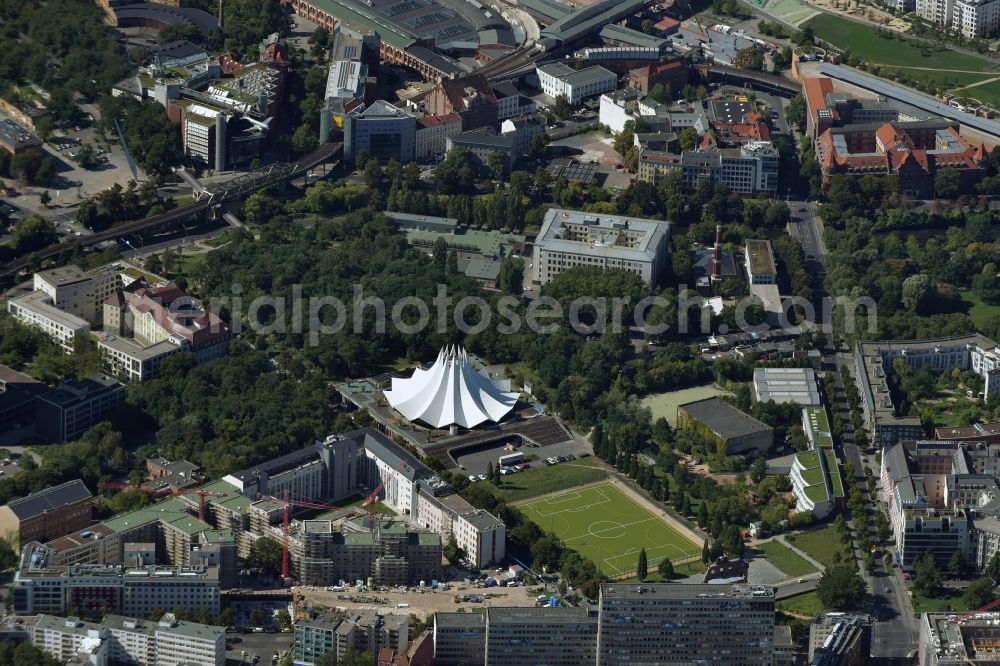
x=396, y=470
x=523, y=130
x=77, y=292
x=119, y=639
x=433, y=132
x=37, y=310
x=976, y=18
x=572, y=238
x=560, y=79
x=617, y=108
x=482, y=536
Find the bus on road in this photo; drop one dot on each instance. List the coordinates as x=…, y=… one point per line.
x=511, y=459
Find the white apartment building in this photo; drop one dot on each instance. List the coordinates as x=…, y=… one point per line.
x=433, y=132
x=119, y=639
x=976, y=18
x=396, y=470
x=482, y=536
x=560, y=79
x=572, y=238
x=935, y=11
x=37, y=310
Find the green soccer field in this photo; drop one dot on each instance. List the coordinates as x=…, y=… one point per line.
x=604, y=524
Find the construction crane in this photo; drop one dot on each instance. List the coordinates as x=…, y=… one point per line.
x=971, y=614
x=202, y=494
x=369, y=503
x=285, y=521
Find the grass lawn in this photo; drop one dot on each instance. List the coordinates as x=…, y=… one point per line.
x=542, y=480
x=804, y=604
x=665, y=404
x=786, y=559
x=790, y=11
x=898, y=51
x=607, y=526
x=977, y=310
x=822, y=544
x=948, y=600
x=187, y=264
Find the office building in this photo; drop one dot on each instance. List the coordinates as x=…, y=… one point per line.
x=94, y=589
x=872, y=360
x=840, y=639
x=16, y=139
x=382, y=131
x=37, y=310
x=631, y=624
x=511, y=102
x=577, y=85
x=432, y=134
x=17, y=399
x=784, y=385
x=735, y=432
x=343, y=632
x=944, y=642
x=65, y=413
x=324, y=472
x=120, y=639
x=78, y=292
x=145, y=325
x=482, y=145
x=46, y=514
x=392, y=468
x=751, y=168
x=571, y=238
x=760, y=265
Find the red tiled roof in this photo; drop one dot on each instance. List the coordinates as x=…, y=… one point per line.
x=433, y=121
x=816, y=90
x=666, y=23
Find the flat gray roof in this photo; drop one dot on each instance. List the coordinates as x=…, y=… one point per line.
x=723, y=418
x=605, y=233
x=40, y=304
x=786, y=385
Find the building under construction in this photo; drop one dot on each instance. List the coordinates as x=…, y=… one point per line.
x=950, y=639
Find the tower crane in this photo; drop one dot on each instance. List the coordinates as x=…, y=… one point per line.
x=971, y=614
x=202, y=494
x=287, y=502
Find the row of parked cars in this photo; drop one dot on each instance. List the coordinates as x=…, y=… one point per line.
x=555, y=460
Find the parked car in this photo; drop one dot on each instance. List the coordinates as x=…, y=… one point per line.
x=482, y=477
x=473, y=478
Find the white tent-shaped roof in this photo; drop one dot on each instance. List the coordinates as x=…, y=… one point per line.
x=451, y=392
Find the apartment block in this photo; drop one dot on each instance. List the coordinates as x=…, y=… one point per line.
x=749, y=169
x=432, y=134
x=120, y=639
x=873, y=359
x=47, y=513
x=480, y=534
x=840, y=639
x=976, y=18
x=93, y=589
x=65, y=413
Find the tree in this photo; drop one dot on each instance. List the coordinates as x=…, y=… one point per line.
x=705, y=553
x=759, y=470
x=928, y=578
x=642, y=568
x=440, y=254
x=497, y=164
x=265, y=555
x=451, y=551
x=496, y=478
x=919, y=293
x=562, y=108
x=45, y=198
x=511, y=278
x=688, y=138
x=649, y=27
x=795, y=112
x=489, y=472
x=841, y=588
x=304, y=140
x=283, y=618
x=666, y=569
x=956, y=566
x=731, y=540
x=8, y=555
x=660, y=93
x=947, y=183
x=257, y=617
x=227, y=617
x=547, y=551
x=993, y=568
x=979, y=593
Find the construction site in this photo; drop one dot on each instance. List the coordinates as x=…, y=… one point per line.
x=950, y=639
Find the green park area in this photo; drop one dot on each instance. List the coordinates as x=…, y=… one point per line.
x=917, y=59
x=977, y=309
x=822, y=545
x=606, y=525
x=793, y=12
x=801, y=604
x=785, y=559
x=665, y=404
x=541, y=480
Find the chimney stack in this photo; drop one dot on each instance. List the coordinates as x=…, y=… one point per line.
x=717, y=255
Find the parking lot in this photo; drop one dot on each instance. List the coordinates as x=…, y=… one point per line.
x=477, y=461
x=243, y=648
